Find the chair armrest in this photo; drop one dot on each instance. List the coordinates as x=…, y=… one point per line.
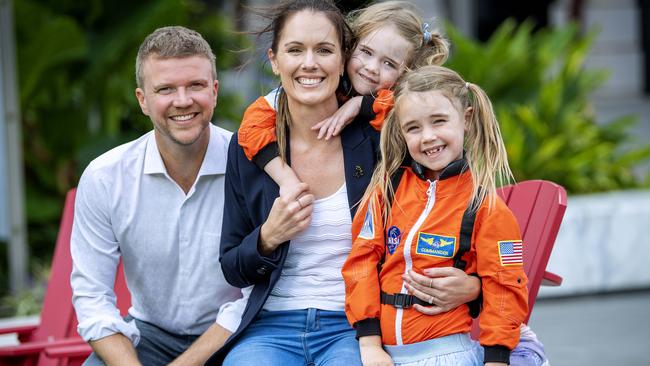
x=71, y=351
x=19, y=329
x=36, y=347
x=551, y=279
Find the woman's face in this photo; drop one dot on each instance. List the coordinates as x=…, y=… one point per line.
x=309, y=59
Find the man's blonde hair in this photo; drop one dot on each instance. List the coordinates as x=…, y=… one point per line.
x=172, y=42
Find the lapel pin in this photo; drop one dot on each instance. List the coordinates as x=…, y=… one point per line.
x=358, y=171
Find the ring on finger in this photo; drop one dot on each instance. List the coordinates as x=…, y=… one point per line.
x=430, y=299
x=431, y=282
x=299, y=204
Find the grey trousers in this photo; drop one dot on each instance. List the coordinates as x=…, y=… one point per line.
x=156, y=346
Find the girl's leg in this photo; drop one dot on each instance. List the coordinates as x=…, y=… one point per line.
x=529, y=351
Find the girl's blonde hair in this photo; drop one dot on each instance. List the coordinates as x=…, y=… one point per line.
x=429, y=46
x=485, y=152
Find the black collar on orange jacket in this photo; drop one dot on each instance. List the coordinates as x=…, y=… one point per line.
x=454, y=168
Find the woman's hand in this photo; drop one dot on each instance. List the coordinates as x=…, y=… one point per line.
x=446, y=288
x=372, y=353
x=290, y=214
x=333, y=125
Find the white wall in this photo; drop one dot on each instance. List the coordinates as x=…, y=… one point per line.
x=603, y=244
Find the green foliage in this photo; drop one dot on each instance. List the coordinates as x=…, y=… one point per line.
x=540, y=91
x=77, y=80
x=27, y=301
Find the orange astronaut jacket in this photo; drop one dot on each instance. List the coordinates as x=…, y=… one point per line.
x=423, y=232
x=256, y=133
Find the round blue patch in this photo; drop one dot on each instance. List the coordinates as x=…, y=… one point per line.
x=393, y=237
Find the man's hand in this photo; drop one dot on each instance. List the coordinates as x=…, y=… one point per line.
x=207, y=344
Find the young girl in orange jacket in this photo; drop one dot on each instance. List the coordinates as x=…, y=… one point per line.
x=443, y=136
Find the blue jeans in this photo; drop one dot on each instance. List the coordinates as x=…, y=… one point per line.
x=156, y=346
x=309, y=337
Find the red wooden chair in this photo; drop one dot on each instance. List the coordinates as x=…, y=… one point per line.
x=539, y=207
x=58, y=324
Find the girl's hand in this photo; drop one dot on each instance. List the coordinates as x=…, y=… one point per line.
x=372, y=353
x=290, y=214
x=333, y=125
x=445, y=287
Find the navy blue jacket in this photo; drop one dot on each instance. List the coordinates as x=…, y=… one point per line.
x=249, y=195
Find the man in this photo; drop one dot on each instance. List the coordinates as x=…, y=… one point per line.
x=157, y=202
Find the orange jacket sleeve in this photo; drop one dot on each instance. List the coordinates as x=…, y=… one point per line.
x=376, y=109
x=257, y=129
x=499, y=252
x=360, y=273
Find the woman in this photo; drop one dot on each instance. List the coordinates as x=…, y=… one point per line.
x=295, y=311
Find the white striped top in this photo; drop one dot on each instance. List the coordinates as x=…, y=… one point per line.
x=311, y=276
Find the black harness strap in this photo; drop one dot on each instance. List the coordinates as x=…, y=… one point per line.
x=401, y=301
x=464, y=245
x=465, y=236
x=394, y=180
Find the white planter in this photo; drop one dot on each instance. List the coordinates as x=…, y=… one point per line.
x=603, y=244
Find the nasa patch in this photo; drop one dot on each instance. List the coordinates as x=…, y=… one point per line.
x=393, y=237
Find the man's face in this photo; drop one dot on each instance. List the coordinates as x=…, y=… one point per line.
x=179, y=95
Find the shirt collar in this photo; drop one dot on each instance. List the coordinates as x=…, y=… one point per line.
x=153, y=163
x=215, y=157
x=214, y=161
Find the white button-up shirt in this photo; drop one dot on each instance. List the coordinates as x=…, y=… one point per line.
x=128, y=206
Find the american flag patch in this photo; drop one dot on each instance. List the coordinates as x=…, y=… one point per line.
x=511, y=252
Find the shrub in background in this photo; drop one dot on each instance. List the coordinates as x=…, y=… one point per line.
x=540, y=90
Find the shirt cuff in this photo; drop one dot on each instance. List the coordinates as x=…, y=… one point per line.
x=366, y=110
x=230, y=313
x=497, y=354
x=96, y=328
x=264, y=156
x=368, y=327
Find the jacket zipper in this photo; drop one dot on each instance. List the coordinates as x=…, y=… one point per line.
x=408, y=261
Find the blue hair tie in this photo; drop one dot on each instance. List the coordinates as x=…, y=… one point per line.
x=426, y=35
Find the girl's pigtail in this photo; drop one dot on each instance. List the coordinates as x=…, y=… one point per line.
x=393, y=152
x=484, y=145
x=434, y=49
x=440, y=50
